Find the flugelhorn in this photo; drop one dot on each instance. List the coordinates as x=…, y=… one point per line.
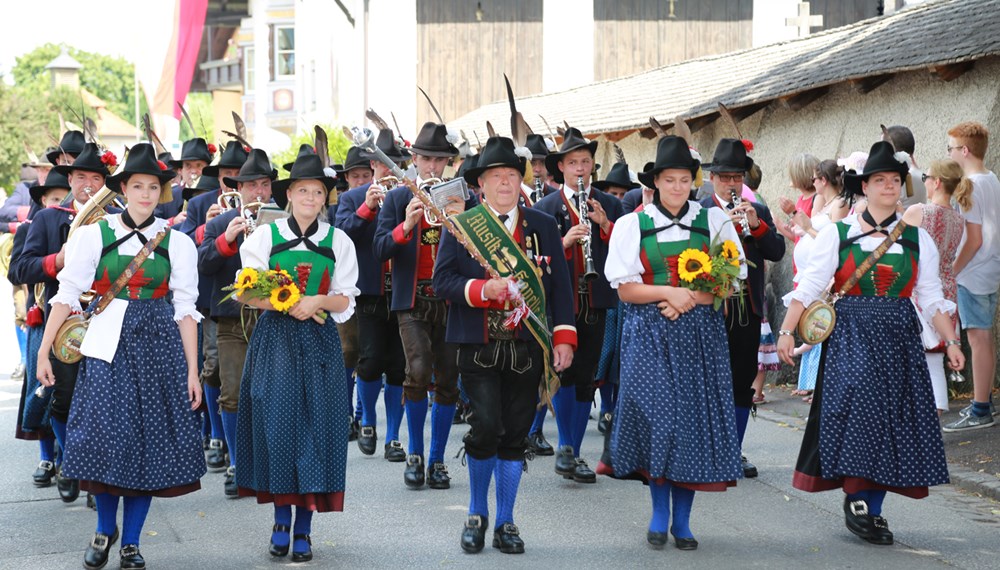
x=429, y=216
x=386, y=182
x=249, y=212
x=229, y=201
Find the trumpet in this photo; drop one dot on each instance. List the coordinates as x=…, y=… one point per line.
x=386, y=182
x=229, y=200
x=744, y=223
x=429, y=216
x=589, y=270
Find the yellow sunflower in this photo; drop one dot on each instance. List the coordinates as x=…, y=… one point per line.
x=731, y=252
x=693, y=263
x=246, y=279
x=284, y=297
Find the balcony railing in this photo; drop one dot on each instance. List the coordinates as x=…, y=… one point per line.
x=222, y=74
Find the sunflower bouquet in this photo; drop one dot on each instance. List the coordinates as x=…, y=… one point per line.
x=714, y=272
x=271, y=285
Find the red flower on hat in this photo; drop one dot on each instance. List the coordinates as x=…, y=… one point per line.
x=246, y=148
x=161, y=164
x=109, y=159
x=406, y=143
x=747, y=144
x=212, y=148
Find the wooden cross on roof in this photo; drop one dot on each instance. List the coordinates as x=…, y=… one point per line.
x=804, y=21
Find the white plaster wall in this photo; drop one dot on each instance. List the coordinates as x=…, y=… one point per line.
x=567, y=44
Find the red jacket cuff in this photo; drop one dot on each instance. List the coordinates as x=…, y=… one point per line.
x=474, y=293
x=225, y=248
x=12, y=227
x=199, y=234
x=49, y=265
x=761, y=229
x=22, y=213
x=564, y=336
x=399, y=236
x=170, y=222
x=607, y=236
x=365, y=213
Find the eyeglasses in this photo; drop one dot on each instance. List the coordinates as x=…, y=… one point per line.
x=951, y=148
x=730, y=177
x=925, y=176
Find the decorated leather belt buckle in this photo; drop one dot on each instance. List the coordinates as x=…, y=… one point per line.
x=425, y=290
x=387, y=283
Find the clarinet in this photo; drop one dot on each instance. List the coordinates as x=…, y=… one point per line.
x=589, y=271
x=744, y=224
x=538, y=191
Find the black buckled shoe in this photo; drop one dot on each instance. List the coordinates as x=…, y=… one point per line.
x=604, y=424
x=881, y=534
x=508, y=539
x=656, y=539
x=274, y=549
x=857, y=519
x=216, y=456
x=539, y=445
x=413, y=475
x=91, y=502
x=565, y=462
x=131, y=558
x=43, y=476
x=305, y=556
x=96, y=555
x=355, y=428
x=394, y=452
x=229, y=486
x=367, y=440
x=474, y=534
x=749, y=469
x=582, y=473
x=437, y=476
x=69, y=489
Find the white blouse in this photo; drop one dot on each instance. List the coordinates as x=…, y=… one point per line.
x=256, y=253
x=83, y=253
x=804, y=247
x=624, y=264
x=824, y=258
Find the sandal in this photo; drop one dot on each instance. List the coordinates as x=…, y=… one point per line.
x=798, y=392
x=760, y=399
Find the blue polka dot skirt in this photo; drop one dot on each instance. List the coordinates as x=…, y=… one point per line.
x=33, y=412
x=292, y=432
x=674, y=419
x=131, y=429
x=608, y=365
x=873, y=416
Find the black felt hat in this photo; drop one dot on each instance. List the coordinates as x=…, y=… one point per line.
x=572, y=140
x=536, y=144
x=233, y=156
x=53, y=180
x=90, y=159
x=432, y=140
x=166, y=158
x=730, y=156
x=256, y=166
x=618, y=176
x=881, y=158
x=72, y=143
x=671, y=152
x=141, y=159
x=468, y=164
x=499, y=151
x=193, y=149
x=386, y=142
x=304, y=149
x=356, y=158
x=307, y=167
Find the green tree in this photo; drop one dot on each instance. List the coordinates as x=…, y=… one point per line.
x=23, y=120
x=110, y=78
x=338, y=145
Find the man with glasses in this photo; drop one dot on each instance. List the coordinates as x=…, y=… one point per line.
x=745, y=309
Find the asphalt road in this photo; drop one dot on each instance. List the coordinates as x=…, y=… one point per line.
x=761, y=523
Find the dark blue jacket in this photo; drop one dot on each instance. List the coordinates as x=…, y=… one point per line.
x=455, y=268
x=402, y=253
x=631, y=200
x=13, y=274
x=764, y=243
x=359, y=224
x=194, y=227
x=602, y=295
x=35, y=262
x=218, y=263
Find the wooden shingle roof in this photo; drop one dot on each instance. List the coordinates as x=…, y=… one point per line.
x=944, y=36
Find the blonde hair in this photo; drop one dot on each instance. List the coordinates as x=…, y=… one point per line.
x=801, y=169
x=953, y=181
x=322, y=210
x=973, y=136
